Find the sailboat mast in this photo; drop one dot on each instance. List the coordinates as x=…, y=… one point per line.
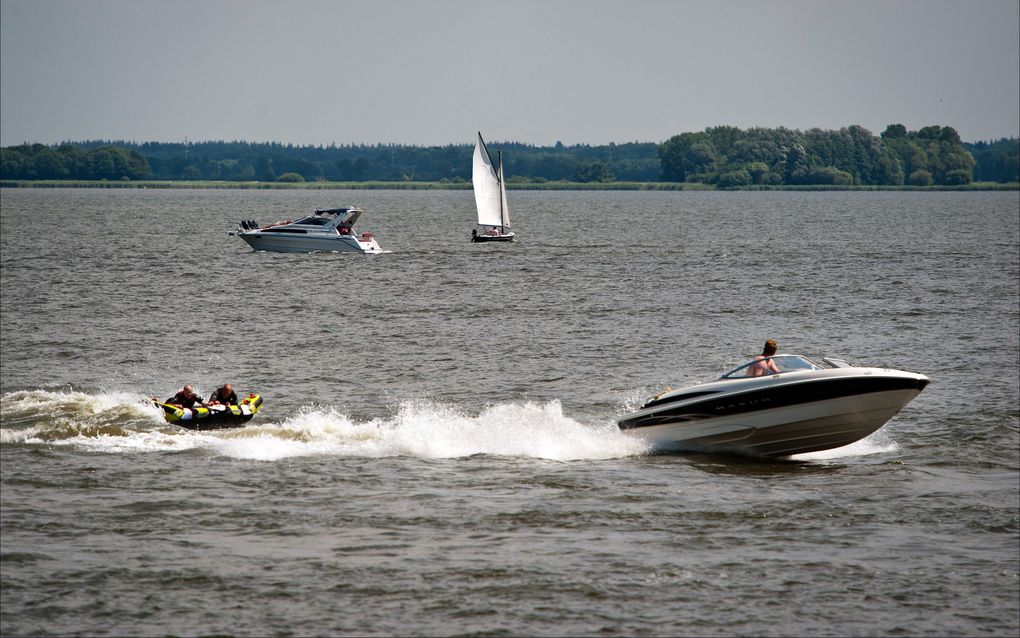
x=499, y=178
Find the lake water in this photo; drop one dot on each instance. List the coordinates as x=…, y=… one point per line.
x=437, y=454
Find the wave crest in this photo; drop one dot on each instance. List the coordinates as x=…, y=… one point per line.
x=45, y=415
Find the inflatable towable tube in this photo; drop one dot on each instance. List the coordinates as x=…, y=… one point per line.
x=213, y=417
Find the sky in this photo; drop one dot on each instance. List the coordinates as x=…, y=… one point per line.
x=434, y=72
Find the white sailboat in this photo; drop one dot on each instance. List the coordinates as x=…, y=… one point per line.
x=490, y=197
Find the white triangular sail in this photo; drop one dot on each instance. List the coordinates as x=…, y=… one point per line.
x=489, y=197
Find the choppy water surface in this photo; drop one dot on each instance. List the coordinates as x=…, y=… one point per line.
x=437, y=454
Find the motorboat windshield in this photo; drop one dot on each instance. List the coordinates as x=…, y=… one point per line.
x=784, y=363
x=314, y=221
x=330, y=218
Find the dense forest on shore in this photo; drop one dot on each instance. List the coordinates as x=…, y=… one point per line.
x=730, y=157
x=722, y=156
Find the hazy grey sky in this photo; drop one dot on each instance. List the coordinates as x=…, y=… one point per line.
x=433, y=72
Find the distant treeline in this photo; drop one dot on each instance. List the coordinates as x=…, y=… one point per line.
x=731, y=157
x=70, y=161
x=997, y=161
x=722, y=156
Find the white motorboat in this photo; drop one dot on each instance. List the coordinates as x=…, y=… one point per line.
x=804, y=407
x=329, y=230
x=490, y=196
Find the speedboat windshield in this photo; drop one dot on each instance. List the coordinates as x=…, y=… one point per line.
x=784, y=362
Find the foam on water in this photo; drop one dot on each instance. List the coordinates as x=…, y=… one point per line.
x=71, y=402
x=47, y=415
x=124, y=423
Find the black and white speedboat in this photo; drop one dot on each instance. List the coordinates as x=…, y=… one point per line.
x=804, y=407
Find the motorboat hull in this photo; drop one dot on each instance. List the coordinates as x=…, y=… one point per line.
x=281, y=243
x=216, y=417
x=810, y=427
x=779, y=416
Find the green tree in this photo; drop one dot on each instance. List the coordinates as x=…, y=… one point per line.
x=733, y=179
x=830, y=175
x=103, y=164
x=920, y=177
x=957, y=176
x=950, y=135
x=76, y=160
x=956, y=161
x=890, y=169
x=264, y=169
x=724, y=138
x=759, y=172
x=795, y=164
x=686, y=154
x=894, y=131
x=996, y=161
x=592, y=172
x=245, y=173
x=50, y=165
x=13, y=164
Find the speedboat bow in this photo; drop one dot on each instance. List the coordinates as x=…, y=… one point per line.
x=804, y=407
x=328, y=230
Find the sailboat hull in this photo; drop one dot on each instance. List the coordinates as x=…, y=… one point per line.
x=479, y=239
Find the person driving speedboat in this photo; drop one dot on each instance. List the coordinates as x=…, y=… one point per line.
x=764, y=365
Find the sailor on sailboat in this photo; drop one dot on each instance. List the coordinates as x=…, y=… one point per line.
x=490, y=197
